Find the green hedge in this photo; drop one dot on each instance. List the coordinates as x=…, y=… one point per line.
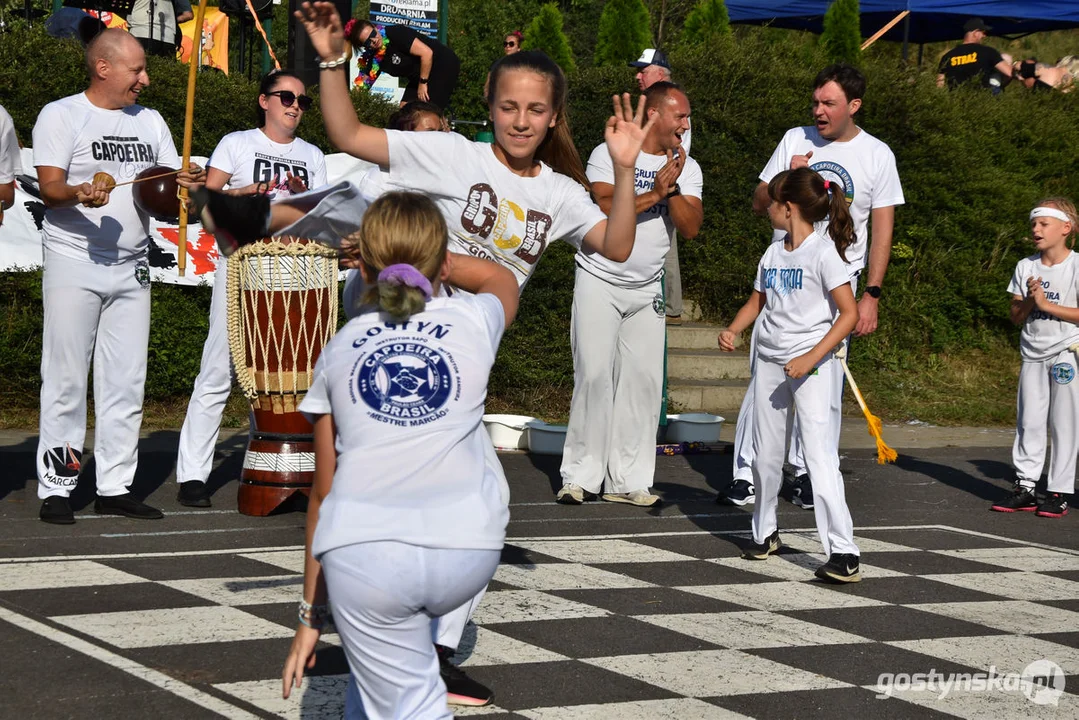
x=972, y=165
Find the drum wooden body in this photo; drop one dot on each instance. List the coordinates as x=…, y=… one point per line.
x=282, y=311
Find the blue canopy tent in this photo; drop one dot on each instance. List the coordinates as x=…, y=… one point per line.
x=928, y=21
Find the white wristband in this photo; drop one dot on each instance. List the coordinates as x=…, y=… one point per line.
x=334, y=63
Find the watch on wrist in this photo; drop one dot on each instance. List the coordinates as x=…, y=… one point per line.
x=675, y=191
x=873, y=291
x=423, y=81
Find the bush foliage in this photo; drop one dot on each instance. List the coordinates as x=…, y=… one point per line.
x=842, y=35
x=624, y=32
x=972, y=166
x=545, y=33
x=707, y=22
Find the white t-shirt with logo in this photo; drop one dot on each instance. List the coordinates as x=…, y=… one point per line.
x=491, y=212
x=75, y=135
x=797, y=285
x=10, y=162
x=654, y=226
x=863, y=166
x=414, y=462
x=248, y=156
x=1044, y=336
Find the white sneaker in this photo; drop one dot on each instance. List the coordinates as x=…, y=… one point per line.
x=642, y=498
x=571, y=494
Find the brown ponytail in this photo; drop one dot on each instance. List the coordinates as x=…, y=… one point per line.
x=816, y=199
x=557, y=148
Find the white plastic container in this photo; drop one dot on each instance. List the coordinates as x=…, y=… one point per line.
x=544, y=439
x=693, y=427
x=508, y=431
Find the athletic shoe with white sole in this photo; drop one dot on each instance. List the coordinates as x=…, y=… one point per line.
x=234, y=220
x=761, y=551
x=571, y=494
x=460, y=688
x=840, y=568
x=1053, y=506
x=803, y=492
x=640, y=498
x=1021, y=500
x=739, y=492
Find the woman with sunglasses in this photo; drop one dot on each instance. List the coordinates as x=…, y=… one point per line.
x=267, y=160
x=512, y=42
x=430, y=67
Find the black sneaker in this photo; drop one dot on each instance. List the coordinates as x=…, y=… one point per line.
x=193, y=494
x=57, y=510
x=127, y=506
x=1021, y=500
x=840, y=568
x=460, y=688
x=1053, y=506
x=739, y=492
x=771, y=544
x=803, y=492
x=234, y=220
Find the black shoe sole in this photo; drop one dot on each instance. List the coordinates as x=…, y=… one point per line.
x=756, y=555
x=98, y=510
x=838, y=579
x=54, y=520
x=196, y=503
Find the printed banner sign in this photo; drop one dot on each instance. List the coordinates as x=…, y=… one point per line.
x=420, y=15
x=215, y=40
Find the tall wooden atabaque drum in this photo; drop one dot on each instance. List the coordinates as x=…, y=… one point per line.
x=282, y=310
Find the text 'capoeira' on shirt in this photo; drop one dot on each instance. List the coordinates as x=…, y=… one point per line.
x=501, y=216
x=797, y=285
x=74, y=134
x=415, y=462
x=655, y=229
x=1044, y=335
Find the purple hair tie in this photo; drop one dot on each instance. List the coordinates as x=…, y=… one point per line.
x=407, y=275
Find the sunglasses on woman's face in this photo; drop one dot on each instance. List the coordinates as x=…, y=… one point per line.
x=288, y=97
x=369, y=43
x=509, y=44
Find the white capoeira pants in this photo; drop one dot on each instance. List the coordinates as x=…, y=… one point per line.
x=202, y=424
x=774, y=396
x=101, y=311
x=617, y=341
x=1048, y=407
x=385, y=596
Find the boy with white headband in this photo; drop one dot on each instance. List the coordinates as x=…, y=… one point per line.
x=1045, y=301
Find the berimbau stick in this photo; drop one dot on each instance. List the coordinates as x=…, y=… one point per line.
x=194, y=60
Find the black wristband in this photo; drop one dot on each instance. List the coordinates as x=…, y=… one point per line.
x=422, y=81
x=675, y=191
x=873, y=291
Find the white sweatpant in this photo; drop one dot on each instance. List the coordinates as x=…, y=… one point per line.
x=103, y=310
x=617, y=341
x=385, y=596
x=1048, y=406
x=202, y=424
x=774, y=394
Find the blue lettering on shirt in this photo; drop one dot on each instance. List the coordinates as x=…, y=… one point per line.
x=783, y=280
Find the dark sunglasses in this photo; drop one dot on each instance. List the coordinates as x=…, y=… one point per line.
x=509, y=44
x=288, y=97
x=369, y=43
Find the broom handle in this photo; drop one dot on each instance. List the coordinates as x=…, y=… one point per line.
x=854, y=386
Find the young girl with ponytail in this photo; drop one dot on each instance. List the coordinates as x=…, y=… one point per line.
x=408, y=511
x=800, y=284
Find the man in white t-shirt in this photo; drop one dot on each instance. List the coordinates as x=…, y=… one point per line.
x=617, y=327
x=10, y=164
x=96, y=283
x=864, y=169
x=652, y=67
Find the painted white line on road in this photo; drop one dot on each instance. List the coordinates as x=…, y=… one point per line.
x=130, y=667
x=185, y=532
x=528, y=538
x=172, y=513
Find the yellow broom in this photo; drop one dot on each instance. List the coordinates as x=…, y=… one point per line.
x=884, y=453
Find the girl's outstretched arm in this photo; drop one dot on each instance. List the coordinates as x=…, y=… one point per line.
x=483, y=276
x=745, y=317
x=323, y=26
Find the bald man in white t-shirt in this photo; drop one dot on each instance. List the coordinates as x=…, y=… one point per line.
x=864, y=169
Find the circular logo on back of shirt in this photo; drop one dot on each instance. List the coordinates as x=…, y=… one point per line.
x=1062, y=373
x=406, y=380
x=836, y=173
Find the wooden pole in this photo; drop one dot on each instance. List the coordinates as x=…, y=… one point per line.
x=886, y=28
x=194, y=61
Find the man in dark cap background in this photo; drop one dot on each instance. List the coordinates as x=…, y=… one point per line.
x=972, y=60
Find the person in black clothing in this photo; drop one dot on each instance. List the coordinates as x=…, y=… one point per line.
x=430, y=67
x=973, y=60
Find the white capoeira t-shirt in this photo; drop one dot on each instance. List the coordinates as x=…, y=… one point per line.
x=491, y=212
x=864, y=167
x=414, y=462
x=1045, y=336
x=797, y=285
x=248, y=156
x=654, y=226
x=10, y=161
x=75, y=135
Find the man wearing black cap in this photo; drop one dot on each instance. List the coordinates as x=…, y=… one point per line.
x=653, y=67
x=973, y=60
